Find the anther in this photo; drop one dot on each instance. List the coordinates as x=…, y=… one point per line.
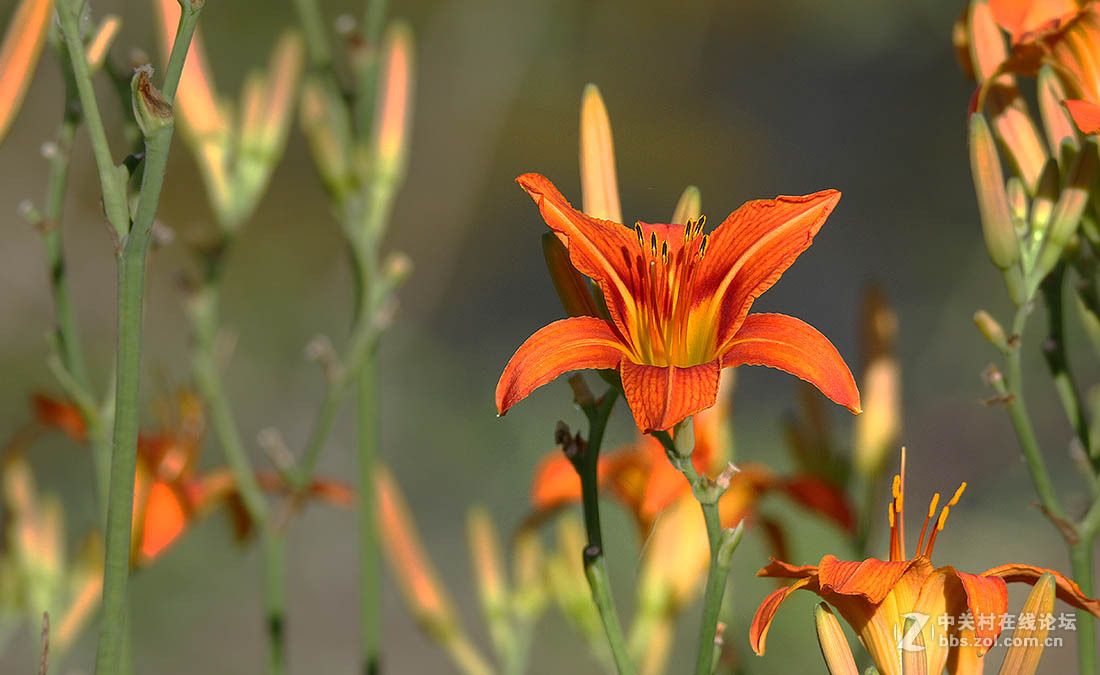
x=653, y=244
x=703, y=245
x=664, y=252
x=958, y=493
x=638, y=231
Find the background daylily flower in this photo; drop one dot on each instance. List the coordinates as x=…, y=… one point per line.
x=170, y=494
x=678, y=301
x=1065, y=36
x=874, y=596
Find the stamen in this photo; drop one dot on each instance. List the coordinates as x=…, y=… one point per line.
x=894, y=555
x=939, y=528
x=653, y=244
x=664, y=252
x=703, y=245
x=931, y=512
x=958, y=493
x=699, y=225
x=641, y=238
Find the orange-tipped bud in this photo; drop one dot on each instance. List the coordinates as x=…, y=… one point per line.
x=19, y=56
x=284, y=71
x=572, y=287
x=876, y=431
x=326, y=126
x=196, y=101
x=393, y=114
x=599, y=185
x=690, y=206
x=990, y=329
x=985, y=165
x=485, y=558
x=1008, y=111
x=1030, y=634
x=424, y=595
x=1067, y=212
x=1059, y=126
x=834, y=645
x=101, y=41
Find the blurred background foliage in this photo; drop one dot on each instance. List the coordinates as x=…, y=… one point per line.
x=744, y=100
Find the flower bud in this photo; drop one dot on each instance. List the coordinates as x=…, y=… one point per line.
x=325, y=123
x=1046, y=194
x=400, y=539
x=876, y=431
x=1029, y=638
x=985, y=165
x=393, y=114
x=572, y=287
x=833, y=643
x=485, y=558
x=599, y=185
x=1057, y=122
x=689, y=207
x=1017, y=203
x=528, y=574
x=990, y=329
x=100, y=44
x=151, y=111
x=19, y=54
x=1067, y=212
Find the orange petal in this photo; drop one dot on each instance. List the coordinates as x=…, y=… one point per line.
x=750, y=251
x=821, y=497
x=762, y=620
x=1066, y=589
x=781, y=570
x=664, y=486
x=163, y=521
x=195, y=105
x=19, y=55
x=596, y=247
x=661, y=396
x=793, y=346
x=870, y=579
x=1023, y=16
x=61, y=415
x=984, y=595
x=556, y=482
x=570, y=344
x=1085, y=115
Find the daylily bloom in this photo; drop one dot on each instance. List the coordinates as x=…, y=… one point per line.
x=678, y=303
x=169, y=493
x=1065, y=36
x=876, y=597
x=19, y=53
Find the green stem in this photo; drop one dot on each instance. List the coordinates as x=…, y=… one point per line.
x=1011, y=388
x=370, y=572
x=134, y=245
x=722, y=542
x=587, y=465
x=313, y=28
x=1054, y=353
x=204, y=320
x=1080, y=555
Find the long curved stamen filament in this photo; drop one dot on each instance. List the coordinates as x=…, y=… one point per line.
x=942, y=520
x=931, y=512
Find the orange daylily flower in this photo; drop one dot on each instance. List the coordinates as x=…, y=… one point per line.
x=641, y=476
x=169, y=492
x=1065, y=36
x=876, y=596
x=678, y=303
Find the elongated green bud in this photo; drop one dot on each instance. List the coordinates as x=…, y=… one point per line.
x=833, y=643
x=985, y=165
x=1031, y=632
x=689, y=207
x=990, y=329
x=1067, y=212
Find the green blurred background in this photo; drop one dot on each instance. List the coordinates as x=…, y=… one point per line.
x=744, y=100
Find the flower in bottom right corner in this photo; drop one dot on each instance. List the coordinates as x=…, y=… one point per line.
x=904, y=609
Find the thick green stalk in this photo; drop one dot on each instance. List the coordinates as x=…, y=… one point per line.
x=134, y=245
x=722, y=542
x=1080, y=556
x=595, y=568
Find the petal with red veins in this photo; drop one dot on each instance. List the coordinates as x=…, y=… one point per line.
x=661, y=396
x=795, y=347
x=762, y=620
x=1065, y=589
x=570, y=344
